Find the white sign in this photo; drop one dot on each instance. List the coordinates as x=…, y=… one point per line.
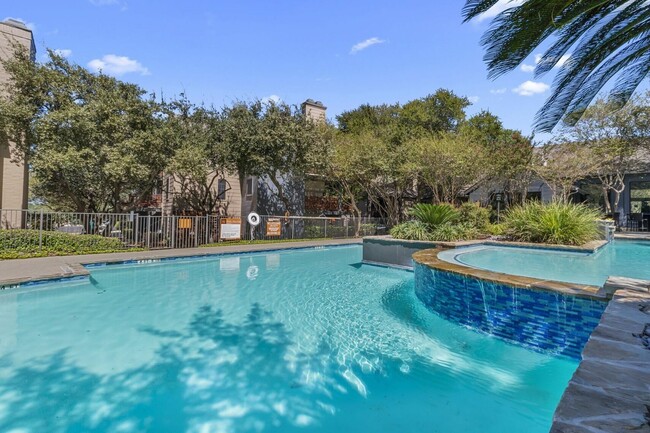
x=229, y=264
x=230, y=228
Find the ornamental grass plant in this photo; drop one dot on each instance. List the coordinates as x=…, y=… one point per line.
x=552, y=223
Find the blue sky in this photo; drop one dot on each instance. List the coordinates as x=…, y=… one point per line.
x=340, y=52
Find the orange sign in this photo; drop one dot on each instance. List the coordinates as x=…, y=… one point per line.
x=185, y=223
x=230, y=229
x=273, y=227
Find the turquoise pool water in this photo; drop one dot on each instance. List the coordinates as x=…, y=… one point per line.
x=304, y=341
x=624, y=258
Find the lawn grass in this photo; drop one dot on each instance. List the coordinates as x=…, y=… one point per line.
x=259, y=241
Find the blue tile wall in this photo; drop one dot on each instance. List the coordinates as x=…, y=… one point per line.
x=543, y=321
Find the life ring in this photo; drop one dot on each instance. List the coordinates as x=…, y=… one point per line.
x=252, y=272
x=253, y=219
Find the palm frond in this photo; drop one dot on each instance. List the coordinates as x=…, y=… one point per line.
x=604, y=38
x=474, y=8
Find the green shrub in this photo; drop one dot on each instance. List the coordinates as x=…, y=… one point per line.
x=25, y=243
x=412, y=230
x=553, y=223
x=454, y=232
x=434, y=215
x=474, y=215
x=367, y=229
x=313, y=232
x=495, y=229
x=440, y=222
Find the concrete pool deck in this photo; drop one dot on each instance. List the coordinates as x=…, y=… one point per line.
x=17, y=271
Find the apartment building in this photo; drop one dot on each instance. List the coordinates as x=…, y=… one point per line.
x=259, y=194
x=14, y=176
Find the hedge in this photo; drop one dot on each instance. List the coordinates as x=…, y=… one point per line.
x=15, y=244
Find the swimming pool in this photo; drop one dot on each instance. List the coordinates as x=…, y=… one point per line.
x=623, y=258
x=304, y=340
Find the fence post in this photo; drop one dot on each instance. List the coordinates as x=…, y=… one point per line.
x=40, y=233
x=325, y=227
x=207, y=229
x=196, y=231
x=148, y=230
x=173, y=224
x=293, y=227
x=136, y=224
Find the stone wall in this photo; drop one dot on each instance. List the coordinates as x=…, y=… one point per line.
x=384, y=250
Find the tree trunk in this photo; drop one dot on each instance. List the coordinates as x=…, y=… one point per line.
x=355, y=209
x=617, y=197
x=608, y=204
x=281, y=196
x=242, y=189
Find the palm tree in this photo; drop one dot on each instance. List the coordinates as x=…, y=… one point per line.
x=605, y=39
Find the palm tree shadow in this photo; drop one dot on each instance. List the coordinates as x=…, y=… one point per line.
x=234, y=376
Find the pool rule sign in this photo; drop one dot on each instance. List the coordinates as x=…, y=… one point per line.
x=273, y=227
x=230, y=229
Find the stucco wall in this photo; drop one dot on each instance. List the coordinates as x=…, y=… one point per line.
x=483, y=192
x=232, y=202
x=14, y=175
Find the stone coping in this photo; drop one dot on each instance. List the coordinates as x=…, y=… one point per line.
x=638, y=236
x=430, y=258
x=610, y=390
x=589, y=247
x=19, y=272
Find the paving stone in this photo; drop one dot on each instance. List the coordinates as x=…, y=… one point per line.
x=633, y=423
x=610, y=390
x=561, y=427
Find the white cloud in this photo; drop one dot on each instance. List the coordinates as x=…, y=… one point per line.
x=272, y=98
x=30, y=26
x=473, y=99
x=527, y=68
x=498, y=91
x=530, y=88
x=499, y=7
x=117, y=65
x=365, y=44
x=560, y=62
x=121, y=3
x=65, y=53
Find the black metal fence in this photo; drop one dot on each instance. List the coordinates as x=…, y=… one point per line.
x=179, y=231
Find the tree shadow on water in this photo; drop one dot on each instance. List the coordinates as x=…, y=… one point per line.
x=212, y=376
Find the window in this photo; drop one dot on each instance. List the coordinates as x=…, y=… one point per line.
x=222, y=186
x=639, y=197
x=249, y=186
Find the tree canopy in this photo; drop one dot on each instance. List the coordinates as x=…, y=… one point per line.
x=426, y=149
x=93, y=142
x=268, y=140
x=618, y=142
x=97, y=144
